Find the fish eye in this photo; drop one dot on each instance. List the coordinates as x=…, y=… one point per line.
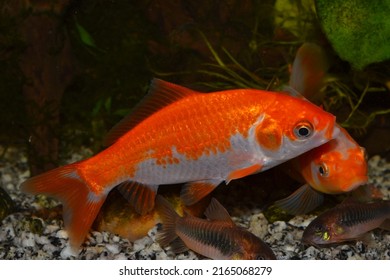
x=303, y=130
x=326, y=236
x=323, y=170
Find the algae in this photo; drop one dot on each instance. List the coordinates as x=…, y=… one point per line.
x=359, y=30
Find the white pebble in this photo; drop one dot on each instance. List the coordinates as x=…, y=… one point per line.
x=67, y=252
x=112, y=248
x=277, y=226
x=41, y=239
x=258, y=225
x=28, y=239
x=140, y=244
x=7, y=178
x=62, y=234
x=115, y=239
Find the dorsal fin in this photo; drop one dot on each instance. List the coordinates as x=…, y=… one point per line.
x=215, y=211
x=161, y=94
x=308, y=70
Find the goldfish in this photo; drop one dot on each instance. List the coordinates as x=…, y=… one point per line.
x=218, y=237
x=178, y=135
x=347, y=221
x=119, y=217
x=338, y=166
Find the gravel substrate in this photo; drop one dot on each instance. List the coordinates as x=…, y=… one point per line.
x=18, y=240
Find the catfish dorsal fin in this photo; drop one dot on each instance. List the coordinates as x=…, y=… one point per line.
x=160, y=95
x=215, y=211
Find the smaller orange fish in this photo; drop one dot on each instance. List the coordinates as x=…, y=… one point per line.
x=346, y=222
x=338, y=166
x=118, y=216
x=218, y=237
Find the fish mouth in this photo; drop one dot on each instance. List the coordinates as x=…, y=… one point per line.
x=306, y=240
x=359, y=181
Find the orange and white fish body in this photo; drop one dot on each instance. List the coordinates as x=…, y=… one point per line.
x=178, y=135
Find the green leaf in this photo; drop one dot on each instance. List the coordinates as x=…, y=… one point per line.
x=85, y=37
x=359, y=30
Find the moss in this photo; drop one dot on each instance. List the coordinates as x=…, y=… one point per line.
x=36, y=226
x=359, y=30
x=274, y=213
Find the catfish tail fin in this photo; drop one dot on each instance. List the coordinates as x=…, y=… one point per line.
x=169, y=218
x=80, y=204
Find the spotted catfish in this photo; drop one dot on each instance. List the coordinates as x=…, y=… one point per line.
x=216, y=237
x=178, y=135
x=348, y=221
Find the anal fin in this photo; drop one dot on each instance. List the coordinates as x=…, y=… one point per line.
x=141, y=196
x=194, y=191
x=178, y=246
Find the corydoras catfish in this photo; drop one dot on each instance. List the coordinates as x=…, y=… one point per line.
x=340, y=165
x=347, y=221
x=178, y=135
x=218, y=237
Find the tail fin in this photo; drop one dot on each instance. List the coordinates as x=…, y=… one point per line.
x=80, y=205
x=169, y=218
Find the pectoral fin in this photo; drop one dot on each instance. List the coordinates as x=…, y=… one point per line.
x=240, y=173
x=141, y=196
x=194, y=191
x=303, y=200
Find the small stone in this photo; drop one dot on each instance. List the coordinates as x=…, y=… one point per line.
x=112, y=248
x=258, y=225
x=67, y=252
x=6, y=178
x=41, y=240
x=62, y=234
x=28, y=239
x=142, y=243
x=115, y=239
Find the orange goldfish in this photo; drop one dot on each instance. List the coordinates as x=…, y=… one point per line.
x=216, y=238
x=340, y=165
x=346, y=222
x=178, y=135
